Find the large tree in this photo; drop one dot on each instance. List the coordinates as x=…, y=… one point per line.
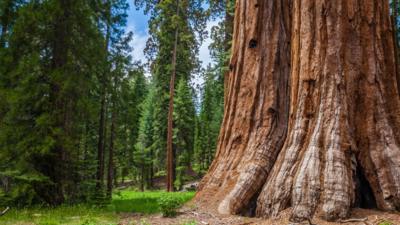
x=176, y=30
x=312, y=111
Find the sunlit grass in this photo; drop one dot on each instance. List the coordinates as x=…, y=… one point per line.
x=73, y=215
x=123, y=201
x=144, y=202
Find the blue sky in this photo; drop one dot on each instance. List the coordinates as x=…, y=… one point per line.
x=138, y=22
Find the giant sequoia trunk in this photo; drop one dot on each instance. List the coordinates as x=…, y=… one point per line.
x=312, y=115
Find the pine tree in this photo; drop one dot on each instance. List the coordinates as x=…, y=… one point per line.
x=54, y=60
x=144, y=148
x=184, y=120
x=163, y=23
x=42, y=93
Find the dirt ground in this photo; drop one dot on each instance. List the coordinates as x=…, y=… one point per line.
x=192, y=216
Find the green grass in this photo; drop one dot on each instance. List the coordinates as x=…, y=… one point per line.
x=68, y=215
x=123, y=201
x=144, y=202
x=386, y=223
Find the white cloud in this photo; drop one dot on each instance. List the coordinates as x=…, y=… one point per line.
x=138, y=43
x=204, y=52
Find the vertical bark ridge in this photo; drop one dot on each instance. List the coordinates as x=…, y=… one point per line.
x=255, y=122
x=379, y=138
x=215, y=175
x=263, y=146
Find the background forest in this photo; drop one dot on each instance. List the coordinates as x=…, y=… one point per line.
x=80, y=117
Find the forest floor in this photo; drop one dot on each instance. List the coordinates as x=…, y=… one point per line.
x=191, y=216
x=130, y=207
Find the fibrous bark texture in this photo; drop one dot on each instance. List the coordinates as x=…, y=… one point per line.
x=256, y=108
x=341, y=148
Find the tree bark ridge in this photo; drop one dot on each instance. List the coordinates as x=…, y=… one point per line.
x=312, y=108
x=256, y=106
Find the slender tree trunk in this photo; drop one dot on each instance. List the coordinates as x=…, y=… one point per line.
x=85, y=151
x=142, y=176
x=115, y=174
x=100, y=146
x=338, y=146
x=110, y=174
x=54, y=193
x=102, y=119
x=170, y=150
x=151, y=168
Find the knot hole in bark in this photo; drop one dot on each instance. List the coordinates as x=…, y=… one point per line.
x=310, y=82
x=271, y=110
x=310, y=115
x=253, y=43
x=231, y=67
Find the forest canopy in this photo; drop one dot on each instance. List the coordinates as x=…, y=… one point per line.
x=79, y=117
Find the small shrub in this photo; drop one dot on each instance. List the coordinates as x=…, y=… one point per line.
x=169, y=204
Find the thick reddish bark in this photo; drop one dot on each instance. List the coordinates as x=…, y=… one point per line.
x=256, y=112
x=344, y=112
x=342, y=144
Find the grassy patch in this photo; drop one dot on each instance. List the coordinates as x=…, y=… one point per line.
x=68, y=215
x=386, y=223
x=145, y=202
x=123, y=201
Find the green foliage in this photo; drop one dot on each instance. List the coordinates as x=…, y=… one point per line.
x=169, y=205
x=386, y=223
x=184, y=119
x=209, y=120
x=55, y=67
x=146, y=202
x=68, y=86
x=166, y=17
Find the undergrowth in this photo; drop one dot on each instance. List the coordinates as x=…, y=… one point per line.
x=126, y=201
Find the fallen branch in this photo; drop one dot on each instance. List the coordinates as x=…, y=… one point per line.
x=4, y=211
x=354, y=220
